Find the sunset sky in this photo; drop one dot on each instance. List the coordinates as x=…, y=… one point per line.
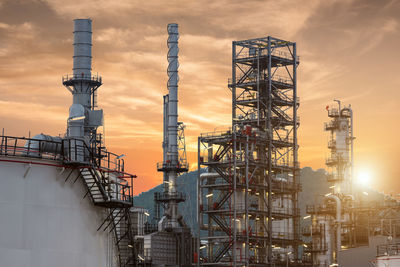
x=348, y=50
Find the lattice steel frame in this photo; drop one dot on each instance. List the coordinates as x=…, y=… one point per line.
x=254, y=165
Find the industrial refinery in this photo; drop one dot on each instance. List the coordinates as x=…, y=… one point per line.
x=69, y=200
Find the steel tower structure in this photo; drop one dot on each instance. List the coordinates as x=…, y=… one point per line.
x=248, y=211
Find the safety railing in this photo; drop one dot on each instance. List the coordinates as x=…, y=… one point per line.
x=264, y=52
x=388, y=250
x=278, y=187
x=66, y=150
x=123, y=190
x=262, y=79
x=334, y=177
x=333, y=112
x=80, y=77
x=227, y=132
x=28, y=147
x=253, y=208
x=282, y=235
x=313, y=248
x=320, y=209
x=311, y=230
x=181, y=166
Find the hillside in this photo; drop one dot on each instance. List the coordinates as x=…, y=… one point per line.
x=313, y=186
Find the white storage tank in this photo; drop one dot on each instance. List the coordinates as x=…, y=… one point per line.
x=45, y=221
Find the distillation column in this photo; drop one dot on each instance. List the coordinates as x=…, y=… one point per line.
x=335, y=216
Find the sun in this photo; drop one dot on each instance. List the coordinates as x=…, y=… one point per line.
x=364, y=178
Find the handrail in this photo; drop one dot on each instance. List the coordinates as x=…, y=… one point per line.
x=71, y=77
x=248, y=79
x=264, y=52
x=67, y=150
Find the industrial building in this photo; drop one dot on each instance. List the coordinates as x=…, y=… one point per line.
x=247, y=200
x=345, y=229
x=68, y=201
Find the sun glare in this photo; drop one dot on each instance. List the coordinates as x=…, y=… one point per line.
x=364, y=178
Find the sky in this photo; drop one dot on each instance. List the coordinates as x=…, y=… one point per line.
x=349, y=50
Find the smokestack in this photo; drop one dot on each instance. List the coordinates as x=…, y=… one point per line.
x=82, y=47
x=82, y=61
x=165, y=141
x=173, y=163
x=173, y=120
x=83, y=120
x=173, y=78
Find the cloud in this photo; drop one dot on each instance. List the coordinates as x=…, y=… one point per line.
x=337, y=40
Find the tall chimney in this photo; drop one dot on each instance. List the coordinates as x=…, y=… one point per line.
x=83, y=120
x=82, y=67
x=172, y=153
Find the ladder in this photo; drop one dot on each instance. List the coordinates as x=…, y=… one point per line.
x=99, y=188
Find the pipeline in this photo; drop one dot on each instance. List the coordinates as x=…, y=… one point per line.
x=42, y=143
x=338, y=221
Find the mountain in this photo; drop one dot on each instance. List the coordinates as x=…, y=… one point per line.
x=314, y=186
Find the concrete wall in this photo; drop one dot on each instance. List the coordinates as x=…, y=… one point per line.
x=44, y=222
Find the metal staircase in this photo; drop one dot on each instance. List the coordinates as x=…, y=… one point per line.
x=93, y=184
x=106, y=191
x=123, y=236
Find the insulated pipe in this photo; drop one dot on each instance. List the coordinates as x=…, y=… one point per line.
x=82, y=65
x=338, y=220
x=82, y=47
x=173, y=78
x=165, y=140
x=172, y=71
x=351, y=144
x=42, y=143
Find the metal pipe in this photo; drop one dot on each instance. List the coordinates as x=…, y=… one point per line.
x=270, y=136
x=338, y=221
x=42, y=143
x=82, y=65
x=173, y=78
x=338, y=101
x=165, y=140
x=199, y=201
x=351, y=146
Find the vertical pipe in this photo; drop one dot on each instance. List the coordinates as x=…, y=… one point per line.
x=172, y=71
x=165, y=139
x=258, y=87
x=82, y=61
x=234, y=146
x=199, y=195
x=352, y=151
x=269, y=132
x=234, y=199
x=295, y=150
x=247, y=246
x=233, y=84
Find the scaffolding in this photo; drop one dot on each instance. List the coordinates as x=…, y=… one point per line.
x=248, y=198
